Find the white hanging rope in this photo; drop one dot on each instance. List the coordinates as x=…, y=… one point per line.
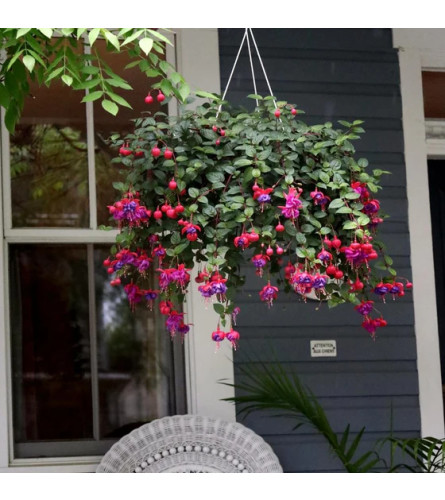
x=251, y=67
x=262, y=66
x=231, y=73
x=246, y=36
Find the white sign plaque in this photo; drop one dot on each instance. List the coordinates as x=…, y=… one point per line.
x=326, y=348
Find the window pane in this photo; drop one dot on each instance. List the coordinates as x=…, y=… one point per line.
x=105, y=125
x=434, y=94
x=49, y=171
x=137, y=368
x=50, y=343
x=62, y=404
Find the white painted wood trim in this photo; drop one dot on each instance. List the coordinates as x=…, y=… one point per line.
x=419, y=219
x=198, y=61
x=4, y=452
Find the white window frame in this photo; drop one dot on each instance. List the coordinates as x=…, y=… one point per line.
x=420, y=50
x=196, y=56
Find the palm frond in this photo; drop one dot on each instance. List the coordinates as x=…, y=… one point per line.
x=269, y=387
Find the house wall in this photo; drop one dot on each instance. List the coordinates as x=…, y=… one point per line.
x=335, y=74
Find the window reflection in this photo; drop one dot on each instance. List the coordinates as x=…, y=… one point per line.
x=58, y=394
x=49, y=169
x=135, y=356
x=50, y=342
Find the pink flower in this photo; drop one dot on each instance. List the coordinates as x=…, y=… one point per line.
x=269, y=294
x=293, y=204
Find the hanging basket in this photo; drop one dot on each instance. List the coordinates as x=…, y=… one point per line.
x=215, y=187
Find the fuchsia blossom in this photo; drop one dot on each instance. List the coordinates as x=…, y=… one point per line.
x=134, y=294
x=269, y=294
x=191, y=231
x=359, y=253
x=218, y=336
x=324, y=256
x=361, y=189
x=371, y=325
x=150, y=296
x=242, y=241
x=235, y=313
x=159, y=252
x=181, y=275
x=365, y=307
x=262, y=195
x=174, y=322
x=143, y=262
x=129, y=210
x=233, y=337
x=259, y=261
x=371, y=207
x=319, y=198
x=293, y=204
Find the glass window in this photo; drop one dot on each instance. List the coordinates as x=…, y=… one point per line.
x=434, y=94
x=85, y=369
x=49, y=162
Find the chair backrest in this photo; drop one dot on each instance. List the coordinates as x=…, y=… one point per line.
x=190, y=443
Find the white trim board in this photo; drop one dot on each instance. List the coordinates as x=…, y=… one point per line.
x=419, y=49
x=198, y=61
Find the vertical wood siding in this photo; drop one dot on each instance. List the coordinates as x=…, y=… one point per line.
x=335, y=74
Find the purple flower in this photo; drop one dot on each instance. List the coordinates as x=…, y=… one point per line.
x=319, y=282
x=264, y=198
x=365, y=308
x=219, y=287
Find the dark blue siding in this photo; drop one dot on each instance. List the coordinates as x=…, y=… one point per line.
x=335, y=74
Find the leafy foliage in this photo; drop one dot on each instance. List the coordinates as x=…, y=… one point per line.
x=269, y=387
x=225, y=181
x=47, y=54
x=427, y=454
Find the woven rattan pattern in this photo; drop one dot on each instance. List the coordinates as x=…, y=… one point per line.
x=190, y=443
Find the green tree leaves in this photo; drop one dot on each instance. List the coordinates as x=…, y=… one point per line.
x=48, y=54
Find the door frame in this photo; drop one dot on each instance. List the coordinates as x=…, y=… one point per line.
x=422, y=49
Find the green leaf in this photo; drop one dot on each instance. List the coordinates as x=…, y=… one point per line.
x=219, y=308
x=110, y=107
x=92, y=35
x=110, y=37
x=184, y=91
x=133, y=37
x=67, y=80
x=146, y=44
x=204, y=94
x=243, y=162
x=29, y=62
x=4, y=96
x=363, y=220
x=181, y=247
x=193, y=192
x=54, y=73
x=350, y=225
x=22, y=31
x=93, y=96
x=344, y=210
x=324, y=177
x=301, y=238
x=337, y=203
x=48, y=32
x=161, y=37
x=120, y=100
x=352, y=196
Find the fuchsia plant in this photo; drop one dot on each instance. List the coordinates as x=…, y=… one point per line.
x=214, y=190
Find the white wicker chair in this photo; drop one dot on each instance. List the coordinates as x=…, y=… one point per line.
x=190, y=443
